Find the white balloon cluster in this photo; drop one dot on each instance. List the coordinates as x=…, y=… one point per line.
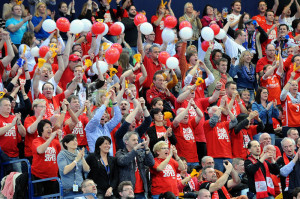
x=208, y=34
x=76, y=26
x=49, y=25
x=168, y=35
x=102, y=65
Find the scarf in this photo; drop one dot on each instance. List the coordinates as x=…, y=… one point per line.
x=215, y=195
x=287, y=179
x=293, y=99
x=194, y=26
x=70, y=156
x=263, y=186
x=249, y=73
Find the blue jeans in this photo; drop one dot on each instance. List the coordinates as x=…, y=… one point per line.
x=219, y=163
x=11, y=167
x=140, y=196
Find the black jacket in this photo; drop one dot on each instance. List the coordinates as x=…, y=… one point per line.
x=99, y=175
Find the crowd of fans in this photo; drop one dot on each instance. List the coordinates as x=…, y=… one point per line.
x=224, y=124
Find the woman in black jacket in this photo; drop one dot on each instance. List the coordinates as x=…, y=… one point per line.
x=159, y=132
x=104, y=171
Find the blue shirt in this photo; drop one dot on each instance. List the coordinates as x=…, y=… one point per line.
x=265, y=114
x=243, y=80
x=94, y=129
x=42, y=33
x=16, y=36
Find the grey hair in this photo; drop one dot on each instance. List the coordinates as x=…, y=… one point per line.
x=203, y=160
x=153, y=46
x=286, y=139
x=290, y=130
x=204, y=169
x=128, y=135
x=260, y=137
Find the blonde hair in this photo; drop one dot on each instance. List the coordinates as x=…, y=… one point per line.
x=36, y=12
x=47, y=66
x=242, y=59
x=37, y=102
x=158, y=146
x=100, y=93
x=186, y=5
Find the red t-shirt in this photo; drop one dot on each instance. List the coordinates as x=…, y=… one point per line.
x=271, y=36
x=239, y=142
x=291, y=113
x=276, y=123
x=151, y=68
x=297, y=75
x=9, y=140
x=158, y=29
x=45, y=165
x=186, y=143
x=79, y=129
x=29, y=137
x=165, y=180
x=52, y=104
x=67, y=77
x=139, y=188
x=218, y=140
x=202, y=104
x=261, y=63
x=260, y=19
x=273, y=84
x=236, y=110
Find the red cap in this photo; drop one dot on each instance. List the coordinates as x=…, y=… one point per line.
x=74, y=57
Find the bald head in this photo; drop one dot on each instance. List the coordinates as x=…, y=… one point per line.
x=204, y=194
x=265, y=139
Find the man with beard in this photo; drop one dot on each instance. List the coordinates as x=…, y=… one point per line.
x=217, y=186
x=130, y=27
x=125, y=190
x=287, y=165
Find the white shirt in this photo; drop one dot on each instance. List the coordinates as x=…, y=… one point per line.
x=233, y=49
x=236, y=18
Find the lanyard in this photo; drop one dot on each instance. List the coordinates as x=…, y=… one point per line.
x=106, y=167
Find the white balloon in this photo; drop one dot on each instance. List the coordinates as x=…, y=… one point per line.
x=106, y=30
x=168, y=35
x=76, y=26
x=35, y=51
x=49, y=25
x=87, y=25
x=102, y=65
x=146, y=28
x=221, y=35
x=186, y=33
x=122, y=26
x=172, y=62
x=207, y=34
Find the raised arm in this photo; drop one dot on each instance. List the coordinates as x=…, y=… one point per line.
x=61, y=65
x=140, y=42
x=181, y=115
x=223, y=179
x=276, y=4
x=10, y=52
x=285, y=9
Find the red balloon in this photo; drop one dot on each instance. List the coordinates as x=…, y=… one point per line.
x=170, y=22
x=139, y=19
x=112, y=55
x=205, y=45
x=89, y=37
x=43, y=51
x=115, y=29
x=98, y=28
x=185, y=24
x=117, y=46
x=63, y=24
x=163, y=56
x=215, y=28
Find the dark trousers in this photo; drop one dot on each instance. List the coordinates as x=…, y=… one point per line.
x=44, y=188
x=201, y=150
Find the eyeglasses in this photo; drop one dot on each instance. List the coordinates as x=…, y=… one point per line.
x=164, y=148
x=91, y=184
x=76, y=61
x=48, y=89
x=40, y=106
